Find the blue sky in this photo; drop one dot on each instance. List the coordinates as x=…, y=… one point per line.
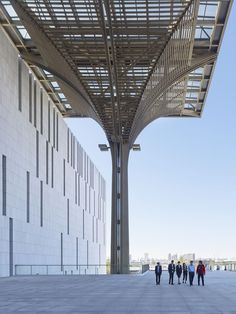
x=182, y=185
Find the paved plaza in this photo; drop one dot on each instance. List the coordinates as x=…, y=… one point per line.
x=119, y=294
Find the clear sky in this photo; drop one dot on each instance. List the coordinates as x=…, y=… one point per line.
x=182, y=185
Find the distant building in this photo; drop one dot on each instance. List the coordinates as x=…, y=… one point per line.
x=174, y=257
x=188, y=257
x=146, y=257
x=130, y=258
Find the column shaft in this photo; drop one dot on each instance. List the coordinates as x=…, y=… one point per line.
x=120, y=213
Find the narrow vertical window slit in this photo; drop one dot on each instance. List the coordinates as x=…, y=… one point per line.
x=4, y=185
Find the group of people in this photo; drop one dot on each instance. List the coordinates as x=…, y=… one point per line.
x=182, y=270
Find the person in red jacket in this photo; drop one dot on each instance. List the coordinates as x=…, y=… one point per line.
x=201, y=270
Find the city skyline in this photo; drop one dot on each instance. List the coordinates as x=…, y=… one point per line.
x=175, y=256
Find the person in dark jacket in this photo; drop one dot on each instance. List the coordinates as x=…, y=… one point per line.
x=185, y=273
x=158, y=272
x=178, y=270
x=201, y=270
x=171, y=270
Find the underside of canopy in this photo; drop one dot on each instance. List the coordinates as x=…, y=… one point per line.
x=123, y=63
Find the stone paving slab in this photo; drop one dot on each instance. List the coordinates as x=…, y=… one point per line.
x=118, y=294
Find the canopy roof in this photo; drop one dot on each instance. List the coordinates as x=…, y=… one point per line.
x=123, y=63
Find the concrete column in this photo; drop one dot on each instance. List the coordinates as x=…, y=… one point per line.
x=120, y=213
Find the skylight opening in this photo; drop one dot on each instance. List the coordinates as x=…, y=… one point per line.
x=55, y=84
x=10, y=11
x=23, y=32
x=207, y=10
x=67, y=106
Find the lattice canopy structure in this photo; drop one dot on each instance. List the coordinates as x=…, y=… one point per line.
x=125, y=62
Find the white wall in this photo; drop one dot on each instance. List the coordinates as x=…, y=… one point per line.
x=33, y=243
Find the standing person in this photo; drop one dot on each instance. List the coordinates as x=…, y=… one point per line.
x=171, y=270
x=191, y=271
x=158, y=272
x=178, y=271
x=185, y=273
x=201, y=270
